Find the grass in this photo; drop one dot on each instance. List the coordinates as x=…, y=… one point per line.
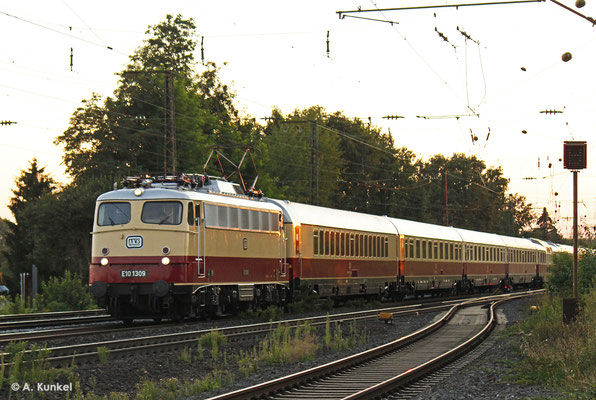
x=103, y=354
x=560, y=355
x=30, y=365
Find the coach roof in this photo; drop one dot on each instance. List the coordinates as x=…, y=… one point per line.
x=304, y=214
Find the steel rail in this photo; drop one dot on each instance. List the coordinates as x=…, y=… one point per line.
x=57, y=314
x=278, y=386
x=35, y=323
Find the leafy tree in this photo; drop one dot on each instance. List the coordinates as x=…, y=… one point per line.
x=290, y=143
x=375, y=173
x=124, y=135
x=472, y=195
x=60, y=224
x=31, y=185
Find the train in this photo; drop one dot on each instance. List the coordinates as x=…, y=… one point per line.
x=197, y=246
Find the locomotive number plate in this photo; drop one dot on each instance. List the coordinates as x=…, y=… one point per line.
x=133, y=274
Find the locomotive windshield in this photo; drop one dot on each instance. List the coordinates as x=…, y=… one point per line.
x=162, y=213
x=111, y=214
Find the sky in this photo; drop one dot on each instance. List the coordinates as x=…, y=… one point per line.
x=492, y=85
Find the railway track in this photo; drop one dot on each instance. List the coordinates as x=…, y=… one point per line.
x=37, y=320
x=89, y=352
x=382, y=371
x=21, y=330
x=50, y=315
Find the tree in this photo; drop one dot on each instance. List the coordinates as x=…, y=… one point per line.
x=60, y=224
x=546, y=229
x=303, y=163
x=124, y=135
x=470, y=194
x=31, y=185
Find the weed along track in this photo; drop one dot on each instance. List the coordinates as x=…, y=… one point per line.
x=383, y=370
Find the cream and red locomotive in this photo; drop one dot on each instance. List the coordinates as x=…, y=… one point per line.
x=193, y=245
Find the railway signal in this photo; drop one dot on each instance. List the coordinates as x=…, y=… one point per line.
x=575, y=154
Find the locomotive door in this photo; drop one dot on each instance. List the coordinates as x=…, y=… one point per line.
x=201, y=244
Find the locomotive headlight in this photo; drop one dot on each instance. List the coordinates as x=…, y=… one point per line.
x=104, y=261
x=138, y=192
x=165, y=260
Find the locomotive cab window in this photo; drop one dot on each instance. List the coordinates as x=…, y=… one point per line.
x=162, y=213
x=111, y=214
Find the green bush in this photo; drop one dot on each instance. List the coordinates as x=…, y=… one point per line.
x=560, y=277
x=66, y=293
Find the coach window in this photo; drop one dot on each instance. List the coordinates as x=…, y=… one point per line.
x=162, y=213
x=326, y=243
x=315, y=244
x=332, y=244
x=111, y=214
x=375, y=246
x=423, y=245
x=386, y=247
x=441, y=247
x=342, y=244
x=351, y=236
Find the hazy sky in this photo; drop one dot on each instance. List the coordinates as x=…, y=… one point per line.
x=275, y=55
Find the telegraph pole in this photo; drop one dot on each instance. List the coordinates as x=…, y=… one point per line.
x=314, y=155
x=169, y=124
x=169, y=145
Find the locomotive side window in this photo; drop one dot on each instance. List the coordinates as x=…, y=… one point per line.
x=111, y=214
x=191, y=214
x=162, y=213
x=244, y=219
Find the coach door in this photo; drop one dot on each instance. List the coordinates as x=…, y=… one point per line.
x=283, y=257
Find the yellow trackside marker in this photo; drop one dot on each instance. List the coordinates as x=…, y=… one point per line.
x=386, y=317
